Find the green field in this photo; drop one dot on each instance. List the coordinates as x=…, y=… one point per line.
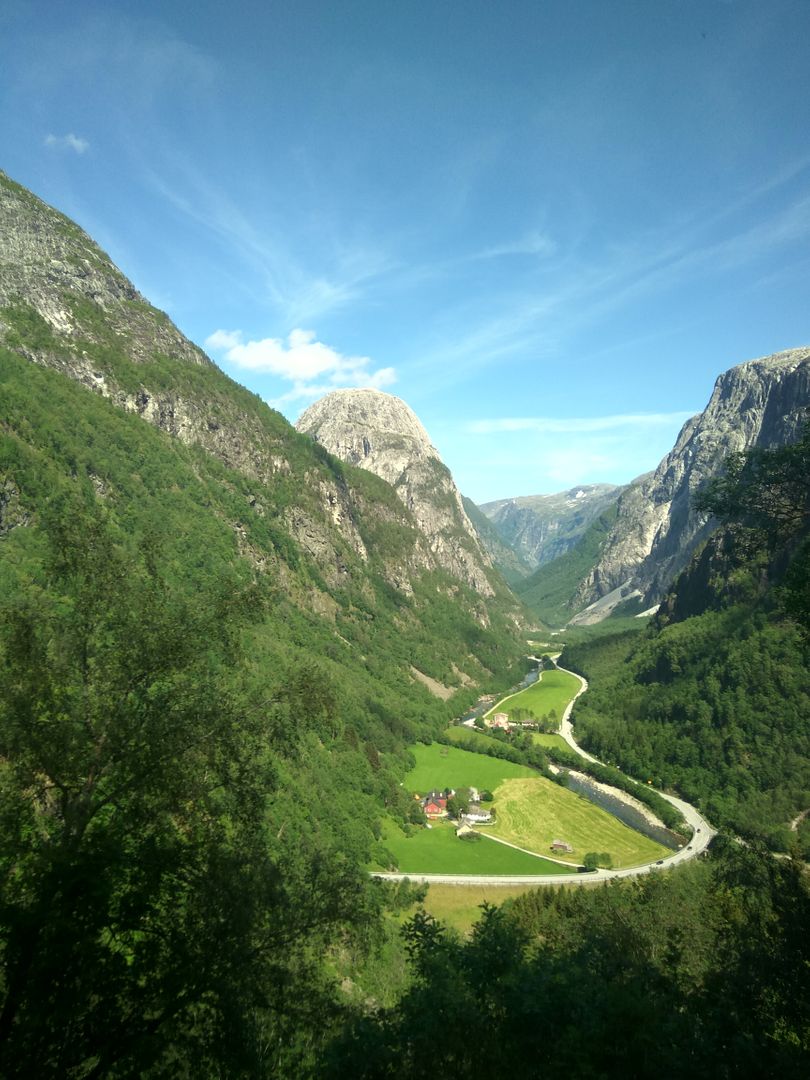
x=438, y=850
x=554, y=691
x=557, y=741
x=534, y=812
x=462, y=735
x=459, y=906
x=439, y=766
x=531, y=812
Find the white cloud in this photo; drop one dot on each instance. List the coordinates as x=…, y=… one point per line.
x=67, y=142
x=574, y=424
x=223, y=339
x=311, y=366
x=533, y=243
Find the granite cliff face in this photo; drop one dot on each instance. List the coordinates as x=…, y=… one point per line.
x=759, y=403
x=380, y=433
x=540, y=528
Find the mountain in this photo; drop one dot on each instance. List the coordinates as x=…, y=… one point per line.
x=539, y=528
x=65, y=306
x=106, y=405
x=380, y=433
x=690, y=702
x=512, y=566
x=760, y=403
x=551, y=591
x=217, y=643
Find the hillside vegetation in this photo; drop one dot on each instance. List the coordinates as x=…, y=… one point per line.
x=550, y=592
x=714, y=699
x=207, y=630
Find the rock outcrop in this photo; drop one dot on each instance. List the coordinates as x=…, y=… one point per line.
x=760, y=403
x=380, y=433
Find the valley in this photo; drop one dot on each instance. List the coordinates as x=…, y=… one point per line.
x=531, y=813
x=237, y=654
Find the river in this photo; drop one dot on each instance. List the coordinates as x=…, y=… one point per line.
x=614, y=804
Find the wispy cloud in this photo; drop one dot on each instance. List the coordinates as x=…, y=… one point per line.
x=67, y=142
x=534, y=243
x=575, y=424
x=298, y=291
x=543, y=454
x=312, y=367
x=540, y=310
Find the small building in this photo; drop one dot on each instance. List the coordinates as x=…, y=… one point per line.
x=498, y=720
x=435, y=803
x=475, y=812
x=561, y=845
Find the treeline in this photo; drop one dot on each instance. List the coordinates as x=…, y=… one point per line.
x=697, y=973
x=713, y=700
x=523, y=751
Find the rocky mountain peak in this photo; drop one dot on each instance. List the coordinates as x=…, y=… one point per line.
x=62, y=277
x=759, y=403
x=369, y=428
x=380, y=433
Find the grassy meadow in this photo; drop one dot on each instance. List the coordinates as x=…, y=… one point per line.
x=439, y=766
x=438, y=850
x=555, y=741
x=459, y=906
x=534, y=812
x=554, y=691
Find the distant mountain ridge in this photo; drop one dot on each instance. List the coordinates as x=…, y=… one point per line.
x=539, y=528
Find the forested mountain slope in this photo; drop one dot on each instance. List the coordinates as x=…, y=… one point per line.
x=63, y=305
x=207, y=629
x=714, y=700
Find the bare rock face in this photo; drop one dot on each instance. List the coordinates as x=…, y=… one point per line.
x=380, y=433
x=761, y=403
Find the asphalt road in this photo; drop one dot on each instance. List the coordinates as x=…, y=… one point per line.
x=702, y=835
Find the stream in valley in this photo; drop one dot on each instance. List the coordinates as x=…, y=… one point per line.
x=624, y=811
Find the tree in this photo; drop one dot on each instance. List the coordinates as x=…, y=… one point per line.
x=144, y=920
x=767, y=493
x=459, y=802
x=595, y=859
x=764, y=489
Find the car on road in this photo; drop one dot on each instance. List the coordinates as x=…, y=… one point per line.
x=660, y=862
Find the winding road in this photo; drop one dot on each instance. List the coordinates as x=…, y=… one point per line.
x=701, y=829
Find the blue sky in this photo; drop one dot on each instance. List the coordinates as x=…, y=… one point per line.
x=547, y=226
